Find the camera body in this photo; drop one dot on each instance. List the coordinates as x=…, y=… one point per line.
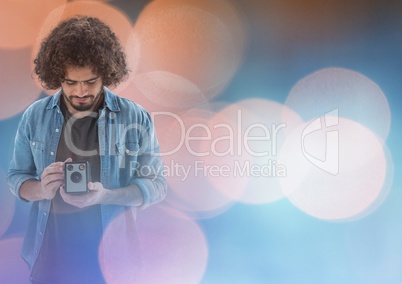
x=76, y=177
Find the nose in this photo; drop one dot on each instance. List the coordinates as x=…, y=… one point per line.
x=81, y=89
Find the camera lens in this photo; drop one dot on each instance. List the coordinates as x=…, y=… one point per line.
x=76, y=177
x=81, y=167
x=70, y=167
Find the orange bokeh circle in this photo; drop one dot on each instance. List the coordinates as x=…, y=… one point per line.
x=20, y=21
x=189, y=47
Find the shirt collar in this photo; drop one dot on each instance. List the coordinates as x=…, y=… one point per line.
x=110, y=100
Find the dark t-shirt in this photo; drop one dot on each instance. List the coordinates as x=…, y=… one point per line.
x=69, y=252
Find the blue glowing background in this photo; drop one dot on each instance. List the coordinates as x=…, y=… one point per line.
x=276, y=242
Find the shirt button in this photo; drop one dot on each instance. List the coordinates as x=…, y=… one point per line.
x=57, y=130
x=52, y=153
x=128, y=151
x=40, y=233
x=33, y=143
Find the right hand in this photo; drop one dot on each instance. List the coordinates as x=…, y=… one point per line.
x=52, y=178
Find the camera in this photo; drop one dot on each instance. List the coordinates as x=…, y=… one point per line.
x=76, y=177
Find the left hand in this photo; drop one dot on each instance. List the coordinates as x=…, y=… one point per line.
x=96, y=195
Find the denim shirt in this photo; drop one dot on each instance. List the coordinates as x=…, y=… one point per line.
x=129, y=154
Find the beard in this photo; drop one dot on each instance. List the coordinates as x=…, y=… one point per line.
x=94, y=99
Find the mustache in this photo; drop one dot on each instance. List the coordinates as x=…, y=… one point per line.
x=84, y=97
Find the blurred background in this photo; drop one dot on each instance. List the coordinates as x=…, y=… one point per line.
x=317, y=203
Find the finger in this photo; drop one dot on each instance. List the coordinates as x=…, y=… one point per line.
x=50, y=189
x=48, y=179
x=55, y=164
x=95, y=186
x=54, y=186
x=53, y=168
x=57, y=183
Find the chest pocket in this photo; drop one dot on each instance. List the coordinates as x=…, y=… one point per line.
x=37, y=149
x=128, y=148
x=127, y=154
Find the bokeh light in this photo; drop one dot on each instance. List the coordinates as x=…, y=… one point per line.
x=278, y=242
x=131, y=92
x=118, y=21
x=183, y=155
x=224, y=163
x=384, y=192
x=334, y=172
x=169, y=90
x=191, y=46
x=120, y=260
x=173, y=249
x=132, y=51
x=263, y=126
x=17, y=87
x=21, y=20
x=353, y=94
x=12, y=267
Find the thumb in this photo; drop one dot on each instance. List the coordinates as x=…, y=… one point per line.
x=92, y=185
x=95, y=186
x=68, y=160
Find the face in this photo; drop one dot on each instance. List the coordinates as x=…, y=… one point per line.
x=81, y=88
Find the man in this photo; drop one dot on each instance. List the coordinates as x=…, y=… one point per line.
x=65, y=240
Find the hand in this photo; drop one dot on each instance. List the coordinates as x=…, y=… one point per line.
x=51, y=179
x=97, y=195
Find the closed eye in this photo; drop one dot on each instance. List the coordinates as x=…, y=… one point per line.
x=88, y=82
x=91, y=82
x=70, y=83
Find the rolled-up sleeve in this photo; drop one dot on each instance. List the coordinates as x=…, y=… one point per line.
x=22, y=166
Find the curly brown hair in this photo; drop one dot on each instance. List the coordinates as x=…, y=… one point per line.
x=81, y=41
